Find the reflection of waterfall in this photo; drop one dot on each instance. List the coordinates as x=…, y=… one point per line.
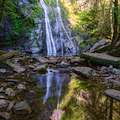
x=58, y=78
x=48, y=84
x=52, y=83
x=51, y=49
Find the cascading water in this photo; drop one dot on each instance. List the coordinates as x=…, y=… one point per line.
x=61, y=32
x=51, y=49
x=61, y=28
x=58, y=38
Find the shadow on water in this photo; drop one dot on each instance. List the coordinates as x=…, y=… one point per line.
x=85, y=100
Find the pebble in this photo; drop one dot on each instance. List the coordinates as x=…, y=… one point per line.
x=5, y=115
x=3, y=70
x=3, y=103
x=21, y=87
x=10, y=92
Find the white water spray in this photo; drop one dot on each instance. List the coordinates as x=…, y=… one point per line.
x=51, y=49
x=60, y=25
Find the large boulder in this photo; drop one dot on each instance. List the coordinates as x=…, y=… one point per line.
x=22, y=106
x=101, y=59
x=114, y=94
x=85, y=71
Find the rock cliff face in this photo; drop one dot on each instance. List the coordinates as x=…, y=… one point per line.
x=17, y=19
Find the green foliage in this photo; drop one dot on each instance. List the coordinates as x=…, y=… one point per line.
x=74, y=111
x=19, y=24
x=50, y=2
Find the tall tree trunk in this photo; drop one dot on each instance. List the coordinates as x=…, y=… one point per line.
x=115, y=23
x=111, y=17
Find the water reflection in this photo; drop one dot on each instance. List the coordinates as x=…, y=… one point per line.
x=53, y=82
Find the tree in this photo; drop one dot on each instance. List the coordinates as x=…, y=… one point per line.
x=115, y=23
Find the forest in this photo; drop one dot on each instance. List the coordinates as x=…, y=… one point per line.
x=59, y=59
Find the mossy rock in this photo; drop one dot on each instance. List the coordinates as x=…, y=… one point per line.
x=42, y=70
x=2, y=52
x=101, y=59
x=115, y=52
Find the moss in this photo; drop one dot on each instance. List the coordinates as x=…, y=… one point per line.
x=2, y=52
x=42, y=70
x=115, y=51
x=20, y=25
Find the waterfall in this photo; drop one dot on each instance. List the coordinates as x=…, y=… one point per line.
x=51, y=49
x=61, y=41
x=60, y=26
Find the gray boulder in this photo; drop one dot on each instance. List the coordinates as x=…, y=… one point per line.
x=22, y=106
x=85, y=71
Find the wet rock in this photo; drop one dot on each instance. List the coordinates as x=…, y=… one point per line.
x=21, y=87
x=10, y=106
x=31, y=66
x=76, y=61
x=110, y=70
x=116, y=71
x=5, y=115
x=103, y=69
x=4, y=85
x=10, y=92
x=2, y=90
x=3, y=70
x=63, y=64
x=42, y=60
x=16, y=67
x=115, y=94
x=3, y=103
x=53, y=60
x=114, y=82
x=22, y=106
x=85, y=71
x=2, y=97
x=41, y=68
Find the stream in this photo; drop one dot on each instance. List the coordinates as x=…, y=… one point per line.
x=52, y=82
x=47, y=90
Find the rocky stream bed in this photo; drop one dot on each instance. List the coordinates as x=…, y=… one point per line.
x=25, y=92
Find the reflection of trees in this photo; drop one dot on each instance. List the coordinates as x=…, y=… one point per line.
x=87, y=102
x=97, y=105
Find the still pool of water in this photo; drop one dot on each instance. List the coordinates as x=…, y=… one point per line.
x=52, y=82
